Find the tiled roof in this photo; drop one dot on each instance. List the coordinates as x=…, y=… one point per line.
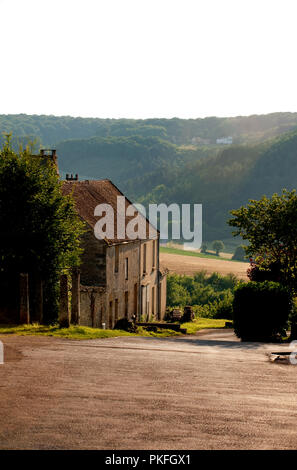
x=90, y=193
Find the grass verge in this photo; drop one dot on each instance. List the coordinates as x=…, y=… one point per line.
x=203, y=323
x=85, y=332
x=78, y=332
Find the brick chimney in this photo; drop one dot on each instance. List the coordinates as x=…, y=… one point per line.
x=50, y=155
x=71, y=177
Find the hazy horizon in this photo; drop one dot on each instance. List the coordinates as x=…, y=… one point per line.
x=146, y=118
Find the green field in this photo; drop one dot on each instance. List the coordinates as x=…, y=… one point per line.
x=177, y=251
x=230, y=244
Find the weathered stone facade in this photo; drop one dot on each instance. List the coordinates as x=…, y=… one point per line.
x=123, y=282
x=119, y=278
x=93, y=260
x=92, y=306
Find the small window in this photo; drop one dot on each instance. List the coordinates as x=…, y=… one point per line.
x=135, y=299
x=116, y=310
x=116, y=261
x=144, y=258
x=154, y=254
x=126, y=268
x=110, y=321
x=126, y=304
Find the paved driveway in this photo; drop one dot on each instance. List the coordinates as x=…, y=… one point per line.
x=202, y=392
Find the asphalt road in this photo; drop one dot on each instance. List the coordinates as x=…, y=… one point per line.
x=202, y=392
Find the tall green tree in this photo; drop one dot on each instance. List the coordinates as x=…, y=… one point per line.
x=218, y=246
x=270, y=226
x=39, y=227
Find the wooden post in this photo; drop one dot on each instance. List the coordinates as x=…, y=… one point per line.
x=64, y=317
x=24, y=299
x=75, y=300
x=39, y=299
x=93, y=308
x=37, y=304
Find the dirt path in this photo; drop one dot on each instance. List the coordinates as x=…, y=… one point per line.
x=180, y=264
x=202, y=392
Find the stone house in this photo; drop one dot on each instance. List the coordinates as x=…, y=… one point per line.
x=119, y=277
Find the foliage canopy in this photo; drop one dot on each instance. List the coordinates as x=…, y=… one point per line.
x=270, y=226
x=261, y=310
x=40, y=228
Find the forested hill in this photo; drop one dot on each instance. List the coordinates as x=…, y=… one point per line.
x=223, y=182
x=244, y=129
x=274, y=170
x=174, y=160
x=124, y=158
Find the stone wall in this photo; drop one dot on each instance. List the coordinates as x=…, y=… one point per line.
x=93, y=267
x=129, y=274
x=163, y=296
x=122, y=281
x=92, y=306
x=149, y=279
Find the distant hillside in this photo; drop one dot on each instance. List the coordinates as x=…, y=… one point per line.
x=224, y=181
x=123, y=158
x=243, y=129
x=274, y=170
x=212, y=181
x=174, y=160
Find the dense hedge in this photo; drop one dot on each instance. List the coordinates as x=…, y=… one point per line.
x=261, y=310
x=239, y=253
x=210, y=296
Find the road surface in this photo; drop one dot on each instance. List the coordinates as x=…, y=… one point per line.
x=198, y=392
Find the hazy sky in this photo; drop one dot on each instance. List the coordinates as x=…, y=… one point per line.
x=148, y=58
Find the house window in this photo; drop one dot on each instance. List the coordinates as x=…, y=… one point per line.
x=126, y=268
x=144, y=258
x=154, y=254
x=126, y=304
x=153, y=300
x=110, y=322
x=116, y=310
x=117, y=257
x=145, y=301
x=135, y=299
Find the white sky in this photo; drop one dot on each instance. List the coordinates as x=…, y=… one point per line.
x=148, y=58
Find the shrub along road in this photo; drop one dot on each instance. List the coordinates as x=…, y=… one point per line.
x=207, y=391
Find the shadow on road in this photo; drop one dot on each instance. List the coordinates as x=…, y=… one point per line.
x=219, y=343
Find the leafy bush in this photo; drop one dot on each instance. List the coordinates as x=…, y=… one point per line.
x=265, y=272
x=261, y=310
x=211, y=296
x=239, y=253
x=203, y=248
x=220, y=283
x=224, y=308
x=218, y=309
x=126, y=325
x=177, y=294
x=40, y=229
